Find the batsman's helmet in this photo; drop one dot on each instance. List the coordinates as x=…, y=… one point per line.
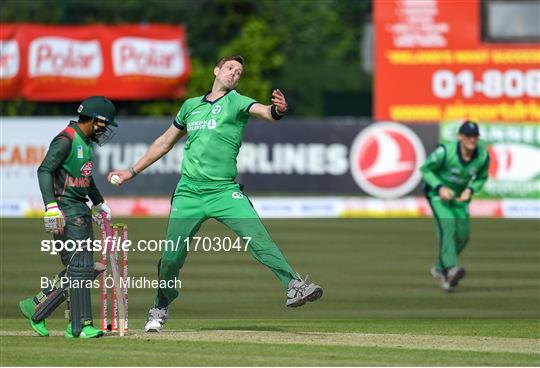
x=100, y=108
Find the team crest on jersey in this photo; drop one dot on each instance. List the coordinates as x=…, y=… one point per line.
x=80, y=152
x=86, y=170
x=216, y=109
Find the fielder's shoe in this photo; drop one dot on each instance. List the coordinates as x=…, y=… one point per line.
x=28, y=308
x=88, y=331
x=299, y=291
x=441, y=277
x=454, y=275
x=156, y=319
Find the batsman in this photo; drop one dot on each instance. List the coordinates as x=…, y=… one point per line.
x=452, y=174
x=214, y=124
x=66, y=182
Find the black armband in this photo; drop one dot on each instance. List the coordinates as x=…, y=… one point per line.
x=132, y=172
x=178, y=125
x=274, y=113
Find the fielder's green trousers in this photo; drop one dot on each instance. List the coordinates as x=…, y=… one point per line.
x=195, y=202
x=453, y=229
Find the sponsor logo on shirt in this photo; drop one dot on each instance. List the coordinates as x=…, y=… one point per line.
x=80, y=152
x=237, y=195
x=201, y=124
x=79, y=182
x=211, y=124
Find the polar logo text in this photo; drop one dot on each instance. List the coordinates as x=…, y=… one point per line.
x=385, y=158
x=65, y=57
x=9, y=59
x=144, y=56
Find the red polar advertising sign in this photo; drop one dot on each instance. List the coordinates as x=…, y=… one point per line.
x=432, y=65
x=10, y=62
x=128, y=62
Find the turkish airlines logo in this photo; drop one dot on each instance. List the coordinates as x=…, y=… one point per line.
x=143, y=56
x=9, y=59
x=514, y=161
x=385, y=159
x=65, y=57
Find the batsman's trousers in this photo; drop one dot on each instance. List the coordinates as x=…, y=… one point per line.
x=77, y=228
x=195, y=202
x=453, y=229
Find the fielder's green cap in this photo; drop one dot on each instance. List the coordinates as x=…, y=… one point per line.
x=100, y=108
x=469, y=128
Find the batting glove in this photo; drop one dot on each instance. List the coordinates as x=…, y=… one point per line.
x=54, y=219
x=97, y=211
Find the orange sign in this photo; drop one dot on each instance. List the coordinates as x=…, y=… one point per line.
x=431, y=65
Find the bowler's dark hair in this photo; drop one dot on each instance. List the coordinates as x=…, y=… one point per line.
x=224, y=59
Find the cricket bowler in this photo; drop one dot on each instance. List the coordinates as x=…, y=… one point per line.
x=214, y=124
x=66, y=183
x=452, y=174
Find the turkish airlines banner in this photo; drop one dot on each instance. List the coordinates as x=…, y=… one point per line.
x=431, y=65
x=303, y=156
x=60, y=63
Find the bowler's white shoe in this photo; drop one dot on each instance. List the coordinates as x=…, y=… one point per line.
x=300, y=291
x=156, y=319
x=443, y=281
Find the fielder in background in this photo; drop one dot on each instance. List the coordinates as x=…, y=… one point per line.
x=214, y=124
x=66, y=183
x=452, y=174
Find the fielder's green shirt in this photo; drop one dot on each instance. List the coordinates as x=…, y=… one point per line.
x=446, y=167
x=65, y=175
x=214, y=135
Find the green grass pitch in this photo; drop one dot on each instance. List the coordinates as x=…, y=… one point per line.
x=380, y=305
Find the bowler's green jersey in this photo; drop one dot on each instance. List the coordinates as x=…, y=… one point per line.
x=446, y=167
x=214, y=131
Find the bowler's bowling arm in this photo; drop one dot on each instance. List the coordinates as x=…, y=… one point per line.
x=160, y=147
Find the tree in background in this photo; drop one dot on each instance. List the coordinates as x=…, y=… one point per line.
x=308, y=48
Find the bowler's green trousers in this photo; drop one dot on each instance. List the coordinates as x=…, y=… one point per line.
x=453, y=229
x=193, y=203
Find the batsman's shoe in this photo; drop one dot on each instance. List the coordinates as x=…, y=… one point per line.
x=454, y=275
x=28, y=309
x=156, y=319
x=88, y=331
x=300, y=291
